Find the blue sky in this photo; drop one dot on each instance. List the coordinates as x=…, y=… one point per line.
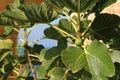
x=38, y=32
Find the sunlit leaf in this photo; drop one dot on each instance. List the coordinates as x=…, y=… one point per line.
x=6, y=44
x=99, y=61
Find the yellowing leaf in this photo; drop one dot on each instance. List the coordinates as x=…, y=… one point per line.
x=6, y=44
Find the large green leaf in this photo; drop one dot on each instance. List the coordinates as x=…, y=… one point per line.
x=73, y=58
x=39, y=13
x=6, y=44
x=74, y=4
x=95, y=59
x=99, y=61
x=104, y=26
x=101, y=4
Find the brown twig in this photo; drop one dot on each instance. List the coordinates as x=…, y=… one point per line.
x=31, y=65
x=28, y=57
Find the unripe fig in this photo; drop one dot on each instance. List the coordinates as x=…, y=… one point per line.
x=78, y=41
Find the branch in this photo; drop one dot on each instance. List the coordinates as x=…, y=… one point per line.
x=31, y=65
x=28, y=53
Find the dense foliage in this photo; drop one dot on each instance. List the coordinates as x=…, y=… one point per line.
x=87, y=49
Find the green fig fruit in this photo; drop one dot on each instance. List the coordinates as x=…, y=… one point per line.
x=78, y=41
